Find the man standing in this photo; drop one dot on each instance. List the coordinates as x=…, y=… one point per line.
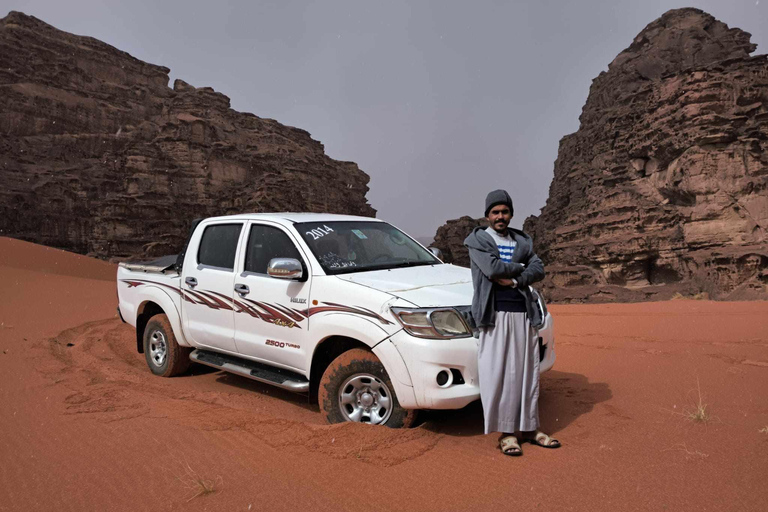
x=503, y=265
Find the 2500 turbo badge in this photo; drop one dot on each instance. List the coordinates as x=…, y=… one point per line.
x=281, y=344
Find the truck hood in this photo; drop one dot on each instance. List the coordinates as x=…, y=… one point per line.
x=424, y=286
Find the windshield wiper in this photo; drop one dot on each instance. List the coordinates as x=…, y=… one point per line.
x=383, y=266
x=410, y=264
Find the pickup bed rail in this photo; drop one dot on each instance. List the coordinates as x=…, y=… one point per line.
x=160, y=265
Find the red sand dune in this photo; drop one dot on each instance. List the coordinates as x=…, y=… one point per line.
x=85, y=426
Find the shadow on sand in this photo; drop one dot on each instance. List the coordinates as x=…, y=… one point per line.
x=563, y=397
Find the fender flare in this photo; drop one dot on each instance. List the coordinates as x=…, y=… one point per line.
x=161, y=297
x=375, y=338
x=348, y=325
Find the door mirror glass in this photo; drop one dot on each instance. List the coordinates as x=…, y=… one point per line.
x=437, y=253
x=285, y=268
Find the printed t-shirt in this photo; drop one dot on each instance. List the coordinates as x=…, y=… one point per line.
x=506, y=298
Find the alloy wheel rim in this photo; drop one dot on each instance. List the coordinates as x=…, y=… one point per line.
x=364, y=398
x=158, y=348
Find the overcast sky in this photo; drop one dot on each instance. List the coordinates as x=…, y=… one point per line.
x=439, y=102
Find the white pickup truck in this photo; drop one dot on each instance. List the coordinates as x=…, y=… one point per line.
x=348, y=309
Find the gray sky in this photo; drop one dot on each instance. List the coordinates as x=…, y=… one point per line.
x=439, y=102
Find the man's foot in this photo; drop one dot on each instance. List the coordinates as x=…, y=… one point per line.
x=510, y=446
x=541, y=439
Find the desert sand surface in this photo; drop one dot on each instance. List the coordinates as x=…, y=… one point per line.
x=84, y=425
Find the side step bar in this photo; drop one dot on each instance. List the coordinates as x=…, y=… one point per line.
x=285, y=379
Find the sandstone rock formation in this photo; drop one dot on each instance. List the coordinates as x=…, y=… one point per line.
x=450, y=239
x=100, y=156
x=664, y=187
x=663, y=190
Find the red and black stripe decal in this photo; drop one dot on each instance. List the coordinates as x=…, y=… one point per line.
x=340, y=308
x=276, y=314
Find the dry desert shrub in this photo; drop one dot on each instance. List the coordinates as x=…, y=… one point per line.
x=698, y=413
x=196, y=483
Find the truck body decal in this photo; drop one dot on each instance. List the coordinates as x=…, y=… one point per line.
x=340, y=308
x=276, y=314
x=266, y=313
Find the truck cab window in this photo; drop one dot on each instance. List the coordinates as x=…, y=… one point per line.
x=219, y=245
x=265, y=243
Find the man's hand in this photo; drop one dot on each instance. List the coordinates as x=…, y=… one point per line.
x=506, y=282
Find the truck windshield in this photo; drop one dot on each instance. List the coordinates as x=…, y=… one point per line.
x=352, y=246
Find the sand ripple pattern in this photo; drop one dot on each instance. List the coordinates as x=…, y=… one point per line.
x=109, y=382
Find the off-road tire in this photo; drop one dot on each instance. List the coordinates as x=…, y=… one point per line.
x=176, y=360
x=353, y=362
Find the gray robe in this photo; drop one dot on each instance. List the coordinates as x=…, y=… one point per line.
x=508, y=370
x=508, y=353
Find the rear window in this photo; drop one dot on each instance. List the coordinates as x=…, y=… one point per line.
x=219, y=245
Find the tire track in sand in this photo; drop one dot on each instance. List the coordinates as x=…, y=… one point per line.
x=109, y=382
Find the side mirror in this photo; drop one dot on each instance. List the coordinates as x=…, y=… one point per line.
x=437, y=253
x=285, y=268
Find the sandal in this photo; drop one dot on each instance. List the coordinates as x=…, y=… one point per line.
x=543, y=440
x=510, y=446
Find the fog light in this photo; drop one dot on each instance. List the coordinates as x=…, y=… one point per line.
x=444, y=378
x=458, y=378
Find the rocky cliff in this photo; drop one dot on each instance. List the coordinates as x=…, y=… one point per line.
x=663, y=190
x=450, y=239
x=664, y=187
x=100, y=156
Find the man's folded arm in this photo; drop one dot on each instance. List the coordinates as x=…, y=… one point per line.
x=492, y=267
x=533, y=273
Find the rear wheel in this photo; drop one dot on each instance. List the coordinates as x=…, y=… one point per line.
x=164, y=355
x=356, y=387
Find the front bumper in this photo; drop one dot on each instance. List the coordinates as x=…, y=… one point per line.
x=425, y=359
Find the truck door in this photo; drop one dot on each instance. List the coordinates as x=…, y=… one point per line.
x=208, y=278
x=271, y=324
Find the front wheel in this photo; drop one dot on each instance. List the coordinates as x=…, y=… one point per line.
x=356, y=387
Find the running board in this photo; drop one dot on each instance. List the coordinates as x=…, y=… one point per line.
x=285, y=379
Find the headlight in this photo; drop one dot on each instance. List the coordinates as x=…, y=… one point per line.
x=432, y=322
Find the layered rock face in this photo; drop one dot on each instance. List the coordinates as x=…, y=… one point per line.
x=450, y=239
x=664, y=187
x=100, y=156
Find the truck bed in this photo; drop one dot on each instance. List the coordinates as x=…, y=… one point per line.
x=162, y=265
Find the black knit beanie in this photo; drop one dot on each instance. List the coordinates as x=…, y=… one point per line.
x=498, y=197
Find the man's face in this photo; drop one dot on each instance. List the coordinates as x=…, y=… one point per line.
x=499, y=217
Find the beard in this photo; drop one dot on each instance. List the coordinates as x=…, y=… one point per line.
x=500, y=226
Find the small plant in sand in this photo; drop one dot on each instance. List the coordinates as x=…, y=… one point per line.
x=196, y=483
x=763, y=430
x=698, y=413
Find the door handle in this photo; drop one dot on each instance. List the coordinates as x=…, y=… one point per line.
x=242, y=289
x=191, y=282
